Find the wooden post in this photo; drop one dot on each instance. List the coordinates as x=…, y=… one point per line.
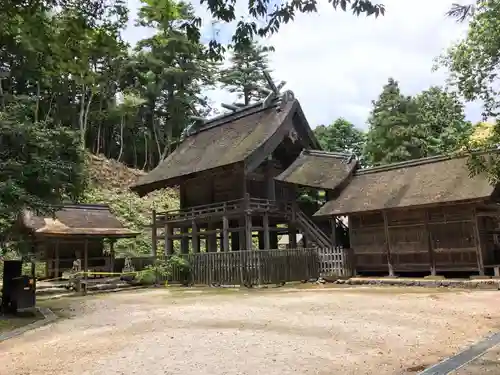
x=248, y=232
x=273, y=237
x=248, y=223
x=154, y=234
x=56, y=263
x=112, y=255
x=185, y=240
x=225, y=234
x=241, y=235
x=169, y=244
x=333, y=228
x=270, y=187
x=235, y=237
x=388, y=244
x=292, y=236
x=479, y=245
x=211, y=239
x=85, y=265
x=267, y=238
x=430, y=248
x=195, y=237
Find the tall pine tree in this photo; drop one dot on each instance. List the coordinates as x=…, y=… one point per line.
x=442, y=116
x=246, y=71
x=393, y=132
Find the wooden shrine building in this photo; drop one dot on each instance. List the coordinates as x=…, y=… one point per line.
x=225, y=171
x=75, y=232
x=424, y=215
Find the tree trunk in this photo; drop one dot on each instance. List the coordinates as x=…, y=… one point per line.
x=81, y=117
x=122, y=125
x=145, y=151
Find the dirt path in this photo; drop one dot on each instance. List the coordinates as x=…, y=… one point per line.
x=344, y=331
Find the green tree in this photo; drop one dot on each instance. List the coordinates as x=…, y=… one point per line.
x=442, y=117
x=473, y=64
x=341, y=136
x=246, y=71
x=41, y=165
x=393, y=135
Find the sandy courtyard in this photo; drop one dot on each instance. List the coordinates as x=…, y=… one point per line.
x=280, y=331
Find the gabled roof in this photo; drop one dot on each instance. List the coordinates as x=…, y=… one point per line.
x=425, y=181
x=319, y=169
x=227, y=140
x=77, y=220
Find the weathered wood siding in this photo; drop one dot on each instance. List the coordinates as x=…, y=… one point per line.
x=430, y=239
x=213, y=187
x=368, y=241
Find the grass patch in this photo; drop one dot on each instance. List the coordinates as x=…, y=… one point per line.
x=11, y=322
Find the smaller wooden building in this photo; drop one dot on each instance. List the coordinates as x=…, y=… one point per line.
x=75, y=232
x=425, y=215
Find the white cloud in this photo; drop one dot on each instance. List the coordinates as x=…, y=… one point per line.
x=336, y=63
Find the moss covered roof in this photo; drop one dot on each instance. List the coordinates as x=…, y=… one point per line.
x=319, y=169
x=227, y=140
x=83, y=219
x=432, y=180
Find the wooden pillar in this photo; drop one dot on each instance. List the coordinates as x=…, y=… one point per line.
x=248, y=232
x=184, y=240
x=267, y=238
x=235, y=237
x=56, y=256
x=154, y=234
x=333, y=228
x=47, y=262
x=169, y=243
x=225, y=234
x=479, y=244
x=241, y=235
x=248, y=223
x=112, y=255
x=85, y=264
x=292, y=236
x=211, y=239
x=273, y=237
x=195, y=237
x=430, y=248
x=388, y=244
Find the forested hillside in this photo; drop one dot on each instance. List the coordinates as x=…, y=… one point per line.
x=109, y=183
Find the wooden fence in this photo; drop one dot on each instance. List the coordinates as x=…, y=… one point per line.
x=254, y=267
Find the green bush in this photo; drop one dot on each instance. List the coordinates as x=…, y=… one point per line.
x=162, y=270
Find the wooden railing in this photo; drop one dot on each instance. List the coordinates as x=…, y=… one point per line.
x=221, y=209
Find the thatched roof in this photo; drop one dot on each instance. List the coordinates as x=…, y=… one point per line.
x=77, y=220
x=426, y=181
x=227, y=140
x=319, y=169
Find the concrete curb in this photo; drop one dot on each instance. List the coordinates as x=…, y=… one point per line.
x=48, y=317
x=464, y=357
x=484, y=284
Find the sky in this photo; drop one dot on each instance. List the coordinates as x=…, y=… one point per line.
x=336, y=63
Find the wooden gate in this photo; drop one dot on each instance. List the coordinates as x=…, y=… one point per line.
x=335, y=261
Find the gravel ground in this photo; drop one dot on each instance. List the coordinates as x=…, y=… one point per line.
x=322, y=331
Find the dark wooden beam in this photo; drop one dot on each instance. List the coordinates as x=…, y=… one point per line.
x=388, y=244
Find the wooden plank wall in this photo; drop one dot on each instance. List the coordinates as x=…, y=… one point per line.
x=431, y=239
x=213, y=187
